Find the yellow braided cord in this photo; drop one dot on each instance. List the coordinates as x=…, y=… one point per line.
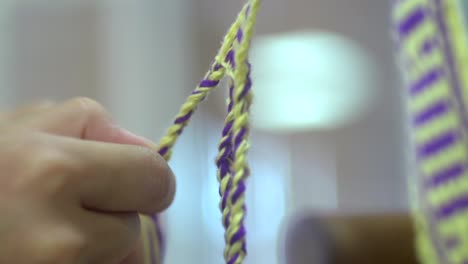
x=225, y=156
x=231, y=61
x=433, y=51
x=211, y=81
x=235, y=250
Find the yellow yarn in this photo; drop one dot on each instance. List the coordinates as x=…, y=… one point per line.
x=238, y=75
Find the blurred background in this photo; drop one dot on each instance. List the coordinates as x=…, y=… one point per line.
x=328, y=120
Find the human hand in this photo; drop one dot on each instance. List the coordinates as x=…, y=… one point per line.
x=72, y=185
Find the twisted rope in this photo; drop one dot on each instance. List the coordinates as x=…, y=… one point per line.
x=231, y=161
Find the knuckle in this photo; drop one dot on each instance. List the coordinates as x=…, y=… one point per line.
x=88, y=105
x=36, y=166
x=48, y=167
x=44, y=159
x=49, y=162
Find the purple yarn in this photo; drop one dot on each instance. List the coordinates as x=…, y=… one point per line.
x=437, y=144
x=247, y=10
x=231, y=102
x=184, y=118
x=427, y=80
x=224, y=162
x=227, y=128
x=233, y=259
x=239, y=191
x=433, y=111
x=163, y=151
x=452, y=207
x=208, y=83
x=248, y=83
x=428, y=46
x=217, y=67
x=240, y=188
x=445, y=175
x=240, y=35
x=238, y=235
x=228, y=146
x=226, y=221
x=239, y=137
x=230, y=58
x=411, y=22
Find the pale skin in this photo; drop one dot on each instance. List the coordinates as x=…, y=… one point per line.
x=72, y=185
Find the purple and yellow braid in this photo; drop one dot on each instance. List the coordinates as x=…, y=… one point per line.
x=235, y=250
x=432, y=45
x=226, y=157
x=231, y=61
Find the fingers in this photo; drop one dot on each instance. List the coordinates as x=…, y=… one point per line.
x=57, y=233
x=82, y=118
x=26, y=111
x=111, y=237
x=71, y=157
x=136, y=255
x=119, y=178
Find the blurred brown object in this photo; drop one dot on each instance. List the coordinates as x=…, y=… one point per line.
x=348, y=239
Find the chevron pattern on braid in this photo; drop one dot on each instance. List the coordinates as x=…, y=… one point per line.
x=231, y=160
x=432, y=47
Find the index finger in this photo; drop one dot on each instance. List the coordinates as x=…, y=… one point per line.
x=118, y=178
x=82, y=118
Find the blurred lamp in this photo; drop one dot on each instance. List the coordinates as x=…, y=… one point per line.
x=309, y=80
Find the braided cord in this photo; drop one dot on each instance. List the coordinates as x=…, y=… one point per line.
x=235, y=250
x=208, y=84
x=226, y=154
x=225, y=150
x=431, y=43
x=230, y=61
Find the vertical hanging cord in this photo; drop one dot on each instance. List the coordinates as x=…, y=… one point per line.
x=226, y=156
x=225, y=149
x=231, y=60
x=235, y=250
x=209, y=83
